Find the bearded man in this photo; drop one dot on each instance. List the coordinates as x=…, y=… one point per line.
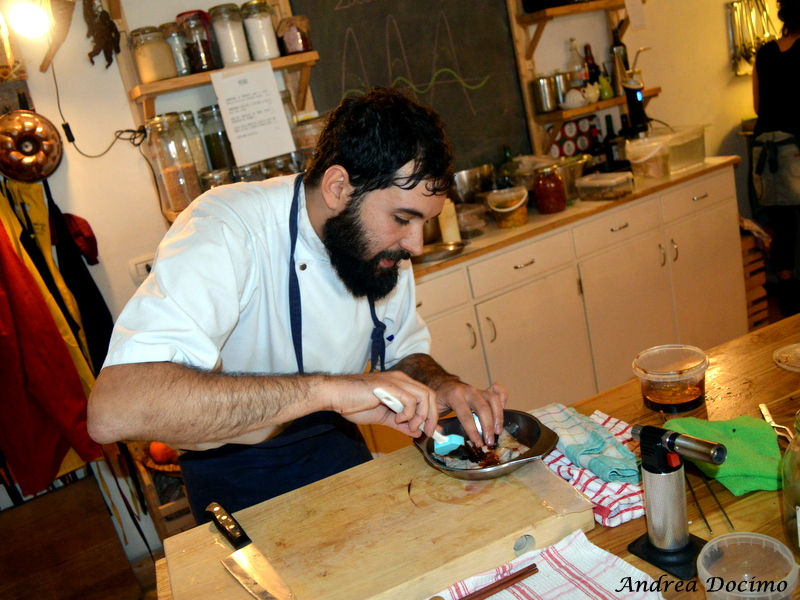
x=275, y=308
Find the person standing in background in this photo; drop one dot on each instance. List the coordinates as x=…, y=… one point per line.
x=776, y=148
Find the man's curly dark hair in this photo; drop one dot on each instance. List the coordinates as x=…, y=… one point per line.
x=374, y=135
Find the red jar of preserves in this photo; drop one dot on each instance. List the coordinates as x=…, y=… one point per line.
x=549, y=192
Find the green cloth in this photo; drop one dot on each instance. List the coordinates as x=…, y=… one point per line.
x=754, y=458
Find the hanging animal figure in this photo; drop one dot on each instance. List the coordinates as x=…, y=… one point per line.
x=105, y=35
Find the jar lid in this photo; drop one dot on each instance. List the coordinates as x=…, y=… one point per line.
x=186, y=115
x=547, y=170
x=223, y=9
x=209, y=110
x=169, y=29
x=145, y=32
x=170, y=116
x=256, y=6
x=192, y=15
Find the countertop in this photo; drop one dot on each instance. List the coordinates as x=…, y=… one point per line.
x=495, y=238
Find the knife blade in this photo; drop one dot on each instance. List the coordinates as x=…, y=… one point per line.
x=248, y=565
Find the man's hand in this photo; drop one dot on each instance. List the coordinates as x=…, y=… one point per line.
x=464, y=399
x=356, y=402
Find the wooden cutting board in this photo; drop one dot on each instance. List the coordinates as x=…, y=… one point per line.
x=391, y=528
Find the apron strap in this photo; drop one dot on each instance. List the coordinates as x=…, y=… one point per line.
x=378, y=349
x=295, y=311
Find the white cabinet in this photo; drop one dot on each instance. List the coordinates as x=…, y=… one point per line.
x=628, y=305
x=456, y=345
x=536, y=341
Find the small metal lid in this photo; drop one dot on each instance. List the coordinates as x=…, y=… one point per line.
x=224, y=10
x=144, y=34
x=255, y=7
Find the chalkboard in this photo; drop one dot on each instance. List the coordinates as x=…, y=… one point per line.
x=456, y=55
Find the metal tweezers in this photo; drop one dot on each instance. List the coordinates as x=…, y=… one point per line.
x=782, y=431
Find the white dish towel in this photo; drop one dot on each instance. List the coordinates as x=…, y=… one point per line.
x=572, y=569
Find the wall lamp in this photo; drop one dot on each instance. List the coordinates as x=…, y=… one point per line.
x=28, y=18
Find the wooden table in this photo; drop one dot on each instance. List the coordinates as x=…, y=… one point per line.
x=741, y=376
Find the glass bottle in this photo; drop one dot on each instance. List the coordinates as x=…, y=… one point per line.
x=218, y=146
x=186, y=118
x=152, y=55
x=226, y=20
x=549, y=192
x=508, y=170
x=260, y=31
x=592, y=68
x=195, y=27
x=179, y=183
x=611, y=141
x=176, y=44
x=790, y=468
x=576, y=67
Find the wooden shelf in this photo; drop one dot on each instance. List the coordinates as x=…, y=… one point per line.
x=147, y=93
x=560, y=116
x=547, y=14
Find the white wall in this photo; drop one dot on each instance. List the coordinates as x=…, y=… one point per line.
x=689, y=60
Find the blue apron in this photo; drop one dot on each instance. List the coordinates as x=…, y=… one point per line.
x=309, y=449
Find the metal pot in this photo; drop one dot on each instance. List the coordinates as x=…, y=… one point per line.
x=470, y=182
x=545, y=94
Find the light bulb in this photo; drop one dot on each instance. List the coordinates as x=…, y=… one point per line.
x=28, y=19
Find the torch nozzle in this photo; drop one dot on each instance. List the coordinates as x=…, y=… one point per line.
x=686, y=445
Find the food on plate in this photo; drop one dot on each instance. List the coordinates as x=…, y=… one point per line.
x=468, y=456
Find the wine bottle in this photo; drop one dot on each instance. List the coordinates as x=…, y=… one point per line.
x=611, y=142
x=619, y=48
x=592, y=68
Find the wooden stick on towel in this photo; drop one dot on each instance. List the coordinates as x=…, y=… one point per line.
x=501, y=584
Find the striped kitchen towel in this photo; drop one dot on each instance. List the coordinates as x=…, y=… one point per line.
x=613, y=503
x=572, y=569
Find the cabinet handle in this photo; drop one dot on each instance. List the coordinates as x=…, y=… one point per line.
x=674, y=247
x=527, y=264
x=474, y=336
x=696, y=198
x=663, y=254
x=494, y=330
x=615, y=229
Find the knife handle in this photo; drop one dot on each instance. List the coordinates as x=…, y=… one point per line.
x=228, y=526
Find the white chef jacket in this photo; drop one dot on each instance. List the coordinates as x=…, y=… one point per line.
x=217, y=297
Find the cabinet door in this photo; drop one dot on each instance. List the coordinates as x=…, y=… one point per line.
x=628, y=302
x=456, y=345
x=536, y=342
x=705, y=259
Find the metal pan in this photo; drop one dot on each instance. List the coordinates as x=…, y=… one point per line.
x=526, y=428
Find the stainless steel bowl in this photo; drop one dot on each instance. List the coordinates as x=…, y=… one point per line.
x=442, y=250
x=470, y=182
x=526, y=428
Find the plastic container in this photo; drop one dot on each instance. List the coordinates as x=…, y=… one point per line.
x=649, y=157
x=261, y=36
x=471, y=220
x=746, y=566
x=509, y=207
x=152, y=55
x=672, y=377
x=605, y=186
x=687, y=146
x=790, y=467
x=448, y=222
x=226, y=19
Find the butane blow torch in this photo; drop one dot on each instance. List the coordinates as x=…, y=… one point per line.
x=668, y=543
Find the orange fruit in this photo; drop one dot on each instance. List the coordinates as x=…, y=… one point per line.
x=162, y=454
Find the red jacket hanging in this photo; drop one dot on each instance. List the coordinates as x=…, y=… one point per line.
x=42, y=402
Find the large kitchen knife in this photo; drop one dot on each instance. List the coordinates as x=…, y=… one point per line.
x=247, y=564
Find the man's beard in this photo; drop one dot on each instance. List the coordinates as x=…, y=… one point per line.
x=345, y=238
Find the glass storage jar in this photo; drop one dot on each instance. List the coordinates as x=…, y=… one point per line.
x=293, y=35
x=790, y=467
x=226, y=20
x=218, y=146
x=251, y=172
x=261, y=38
x=152, y=55
x=176, y=45
x=549, y=192
x=195, y=27
x=186, y=118
x=216, y=178
x=177, y=175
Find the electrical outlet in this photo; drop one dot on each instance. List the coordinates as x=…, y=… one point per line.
x=140, y=268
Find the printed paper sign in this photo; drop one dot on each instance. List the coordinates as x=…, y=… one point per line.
x=252, y=111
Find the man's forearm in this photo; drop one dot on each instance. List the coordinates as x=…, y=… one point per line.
x=177, y=404
x=425, y=369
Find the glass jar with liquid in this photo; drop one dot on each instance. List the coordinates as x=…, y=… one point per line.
x=215, y=138
x=177, y=175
